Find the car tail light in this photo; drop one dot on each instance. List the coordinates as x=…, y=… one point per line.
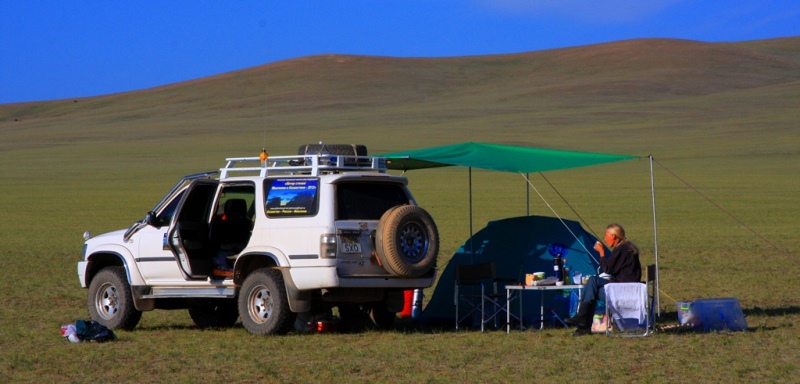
x=327, y=245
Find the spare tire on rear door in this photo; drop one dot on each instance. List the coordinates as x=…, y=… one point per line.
x=407, y=241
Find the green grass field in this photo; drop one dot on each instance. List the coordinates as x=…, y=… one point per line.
x=724, y=117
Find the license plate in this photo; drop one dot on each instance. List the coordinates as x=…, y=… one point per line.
x=350, y=244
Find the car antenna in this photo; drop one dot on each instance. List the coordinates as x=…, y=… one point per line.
x=263, y=155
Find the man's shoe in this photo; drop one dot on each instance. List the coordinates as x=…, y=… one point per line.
x=584, y=316
x=577, y=321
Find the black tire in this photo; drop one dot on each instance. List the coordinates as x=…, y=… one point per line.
x=110, y=300
x=353, y=318
x=356, y=317
x=264, y=305
x=215, y=314
x=407, y=241
x=381, y=317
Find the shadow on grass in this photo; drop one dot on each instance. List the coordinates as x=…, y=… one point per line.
x=672, y=317
x=400, y=326
x=179, y=327
x=666, y=323
x=771, y=312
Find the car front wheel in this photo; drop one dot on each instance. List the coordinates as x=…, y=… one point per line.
x=110, y=300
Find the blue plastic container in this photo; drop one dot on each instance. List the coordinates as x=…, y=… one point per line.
x=724, y=314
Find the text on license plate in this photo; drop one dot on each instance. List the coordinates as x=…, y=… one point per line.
x=350, y=244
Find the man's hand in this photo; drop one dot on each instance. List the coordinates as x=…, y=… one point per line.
x=600, y=249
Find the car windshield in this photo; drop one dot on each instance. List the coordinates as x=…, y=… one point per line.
x=165, y=216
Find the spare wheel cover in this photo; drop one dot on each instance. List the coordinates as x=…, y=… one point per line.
x=407, y=241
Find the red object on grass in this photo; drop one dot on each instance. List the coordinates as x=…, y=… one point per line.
x=408, y=301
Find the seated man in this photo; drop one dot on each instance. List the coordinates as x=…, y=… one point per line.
x=623, y=266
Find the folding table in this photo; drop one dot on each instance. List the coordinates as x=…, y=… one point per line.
x=541, y=289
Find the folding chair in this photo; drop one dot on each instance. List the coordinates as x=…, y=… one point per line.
x=630, y=306
x=482, y=275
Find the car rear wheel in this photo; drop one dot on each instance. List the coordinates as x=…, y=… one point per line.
x=215, y=314
x=263, y=303
x=356, y=317
x=380, y=316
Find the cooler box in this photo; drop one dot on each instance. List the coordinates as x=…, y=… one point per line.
x=723, y=314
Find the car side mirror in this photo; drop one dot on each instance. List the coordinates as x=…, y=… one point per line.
x=150, y=218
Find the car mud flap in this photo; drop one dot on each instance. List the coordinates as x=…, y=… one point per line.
x=138, y=302
x=299, y=301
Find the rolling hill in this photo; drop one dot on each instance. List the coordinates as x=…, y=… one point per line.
x=633, y=89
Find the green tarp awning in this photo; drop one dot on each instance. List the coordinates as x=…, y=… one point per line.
x=497, y=157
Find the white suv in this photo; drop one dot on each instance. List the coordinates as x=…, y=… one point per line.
x=266, y=240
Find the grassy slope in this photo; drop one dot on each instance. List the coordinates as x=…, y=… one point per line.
x=722, y=116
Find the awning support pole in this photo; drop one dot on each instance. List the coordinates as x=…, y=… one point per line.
x=471, y=247
x=527, y=196
x=655, y=237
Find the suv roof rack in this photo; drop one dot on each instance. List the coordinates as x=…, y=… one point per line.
x=308, y=164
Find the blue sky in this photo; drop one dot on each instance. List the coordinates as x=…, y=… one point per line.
x=67, y=49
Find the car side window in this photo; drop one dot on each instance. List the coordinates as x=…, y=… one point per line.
x=291, y=197
x=245, y=193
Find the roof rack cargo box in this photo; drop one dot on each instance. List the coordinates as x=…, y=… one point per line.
x=333, y=149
